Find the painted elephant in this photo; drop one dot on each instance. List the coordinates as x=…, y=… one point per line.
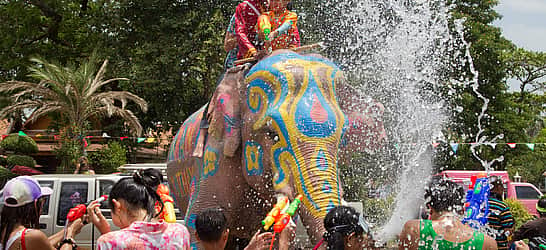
x=274, y=128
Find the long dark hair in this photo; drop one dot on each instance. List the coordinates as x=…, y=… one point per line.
x=139, y=191
x=340, y=222
x=27, y=215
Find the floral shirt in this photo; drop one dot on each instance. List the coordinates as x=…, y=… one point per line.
x=147, y=235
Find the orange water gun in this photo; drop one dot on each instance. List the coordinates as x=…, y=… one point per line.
x=167, y=214
x=280, y=215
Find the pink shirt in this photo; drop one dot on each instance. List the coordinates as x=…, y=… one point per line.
x=147, y=235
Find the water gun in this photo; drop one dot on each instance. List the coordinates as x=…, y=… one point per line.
x=264, y=26
x=168, y=214
x=477, y=205
x=80, y=210
x=280, y=215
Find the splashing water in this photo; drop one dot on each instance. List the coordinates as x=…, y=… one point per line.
x=400, y=53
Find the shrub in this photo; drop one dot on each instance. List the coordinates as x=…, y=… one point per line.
x=5, y=175
x=108, y=159
x=19, y=144
x=21, y=160
x=519, y=211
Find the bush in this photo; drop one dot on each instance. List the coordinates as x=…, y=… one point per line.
x=520, y=213
x=21, y=160
x=5, y=175
x=108, y=159
x=19, y=144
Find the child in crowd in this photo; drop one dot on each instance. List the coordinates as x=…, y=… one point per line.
x=211, y=230
x=132, y=202
x=23, y=199
x=278, y=27
x=230, y=45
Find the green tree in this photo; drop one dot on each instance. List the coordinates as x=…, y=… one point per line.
x=75, y=93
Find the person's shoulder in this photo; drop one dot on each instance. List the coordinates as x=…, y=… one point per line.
x=488, y=242
x=31, y=234
x=178, y=227
x=36, y=239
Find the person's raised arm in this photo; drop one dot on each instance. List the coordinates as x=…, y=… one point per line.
x=36, y=239
x=287, y=235
x=96, y=217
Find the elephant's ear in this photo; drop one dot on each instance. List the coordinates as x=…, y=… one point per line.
x=365, y=131
x=224, y=113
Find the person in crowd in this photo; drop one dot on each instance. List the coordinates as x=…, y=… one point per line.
x=132, y=202
x=246, y=18
x=444, y=230
x=500, y=218
x=83, y=167
x=346, y=229
x=212, y=232
x=282, y=32
x=23, y=199
x=533, y=230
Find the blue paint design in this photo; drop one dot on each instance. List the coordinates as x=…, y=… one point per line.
x=190, y=221
x=305, y=123
x=322, y=161
x=193, y=246
x=253, y=150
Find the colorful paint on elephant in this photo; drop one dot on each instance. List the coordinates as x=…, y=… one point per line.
x=210, y=162
x=308, y=120
x=184, y=139
x=253, y=155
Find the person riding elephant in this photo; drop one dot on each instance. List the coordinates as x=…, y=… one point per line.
x=274, y=129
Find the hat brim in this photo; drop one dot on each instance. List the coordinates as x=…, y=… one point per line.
x=46, y=191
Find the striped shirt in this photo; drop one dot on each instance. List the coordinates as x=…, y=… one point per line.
x=499, y=219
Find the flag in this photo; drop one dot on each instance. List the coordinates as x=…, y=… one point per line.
x=454, y=146
x=511, y=145
x=21, y=133
x=150, y=140
x=531, y=146
x=140, y=139
x=435, y=144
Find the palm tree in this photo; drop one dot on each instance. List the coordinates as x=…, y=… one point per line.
x=73, y=92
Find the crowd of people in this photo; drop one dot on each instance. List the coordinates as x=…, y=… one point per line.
x=134, y=207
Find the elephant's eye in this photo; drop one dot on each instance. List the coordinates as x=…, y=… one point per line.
x=272, y=135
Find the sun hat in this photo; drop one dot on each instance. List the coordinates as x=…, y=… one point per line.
x=22, y=190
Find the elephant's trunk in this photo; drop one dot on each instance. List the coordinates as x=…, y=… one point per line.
x=320, y=186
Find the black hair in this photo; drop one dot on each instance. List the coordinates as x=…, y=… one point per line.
x=444, y=195
x=542, y=204
x=27, y=215
x=340, y=222
x=210, y=224
x=139, y=191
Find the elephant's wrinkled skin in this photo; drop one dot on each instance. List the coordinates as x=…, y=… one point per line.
x=275, y=129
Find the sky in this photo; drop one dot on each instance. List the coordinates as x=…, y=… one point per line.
x=523, y=22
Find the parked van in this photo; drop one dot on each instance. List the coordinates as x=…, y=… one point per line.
x=526, y=193
x=70, y=190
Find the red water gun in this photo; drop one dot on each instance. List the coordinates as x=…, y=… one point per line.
x=80, y=210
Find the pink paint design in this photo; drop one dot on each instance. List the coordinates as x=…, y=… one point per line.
x=318, y=113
